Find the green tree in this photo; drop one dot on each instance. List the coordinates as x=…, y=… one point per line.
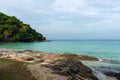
x=12, y=30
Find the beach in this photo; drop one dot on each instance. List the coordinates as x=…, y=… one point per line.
x=49, y=66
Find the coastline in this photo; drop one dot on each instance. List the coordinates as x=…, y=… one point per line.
x=49, y=61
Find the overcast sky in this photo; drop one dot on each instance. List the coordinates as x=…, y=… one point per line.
x=68, y=19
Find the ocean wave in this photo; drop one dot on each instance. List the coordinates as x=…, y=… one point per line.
x=107, y=69
x=110, y=61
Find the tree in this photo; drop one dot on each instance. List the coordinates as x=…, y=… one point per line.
x=12, y=30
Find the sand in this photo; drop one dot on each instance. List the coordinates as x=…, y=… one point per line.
x=43, y=73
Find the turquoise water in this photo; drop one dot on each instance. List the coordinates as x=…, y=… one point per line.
x=104, y=49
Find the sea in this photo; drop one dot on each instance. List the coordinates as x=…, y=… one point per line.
x=107, y=51
x=104, y=49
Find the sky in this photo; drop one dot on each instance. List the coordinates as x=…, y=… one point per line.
x=68, y=19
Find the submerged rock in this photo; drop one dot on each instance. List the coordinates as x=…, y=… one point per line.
x=112, y=74
x=111, y=61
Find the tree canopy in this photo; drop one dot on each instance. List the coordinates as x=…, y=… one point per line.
x=14, y=30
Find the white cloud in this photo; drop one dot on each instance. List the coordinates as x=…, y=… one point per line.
x=68, y=17
x=67, y=5
x=75, y=6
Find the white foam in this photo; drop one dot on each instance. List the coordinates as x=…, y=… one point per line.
x=99, y=74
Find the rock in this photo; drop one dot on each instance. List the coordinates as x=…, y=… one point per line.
x=27, y=58
x=38, y=55
x=118, y=76
x=72, y=68
x=113, y=74
x=41, y=60
x=68, y=65
x=84, y=57
x=20, y=51
x=110, y=61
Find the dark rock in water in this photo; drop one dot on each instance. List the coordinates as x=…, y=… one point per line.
x=117, y=75
x=110, y=61
x=109, y=71
x=72, y=68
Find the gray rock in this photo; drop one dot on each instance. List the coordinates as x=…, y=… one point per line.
x=74, y=69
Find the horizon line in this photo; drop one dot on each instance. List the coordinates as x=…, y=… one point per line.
x=83, y=39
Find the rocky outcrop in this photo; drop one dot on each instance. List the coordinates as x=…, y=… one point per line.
x=78, y=57
x=71, y=68
x=67, y=65
x=29, y=55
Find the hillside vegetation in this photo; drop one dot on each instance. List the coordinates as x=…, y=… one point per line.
x=14, y=30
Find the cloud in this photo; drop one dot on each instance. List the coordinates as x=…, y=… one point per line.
x=66, y=5
x=75, y=6
x=84, y=18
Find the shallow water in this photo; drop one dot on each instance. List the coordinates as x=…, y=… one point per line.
x=102, y=76
x=104, y=49
x=103, y=66
x=99, y=67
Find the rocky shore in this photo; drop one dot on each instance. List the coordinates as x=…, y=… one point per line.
x=34, y=56
x=48, y=66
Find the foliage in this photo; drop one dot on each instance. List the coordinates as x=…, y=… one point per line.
x=14, y=30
